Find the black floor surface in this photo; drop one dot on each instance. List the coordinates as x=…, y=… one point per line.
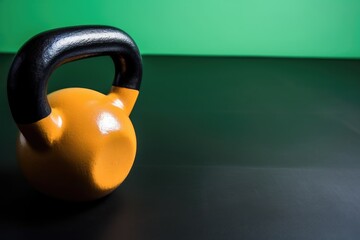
x=228, y=148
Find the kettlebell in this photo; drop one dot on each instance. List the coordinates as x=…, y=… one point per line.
x=75, y=144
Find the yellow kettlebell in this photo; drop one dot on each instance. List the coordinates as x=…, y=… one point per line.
x=75, y=144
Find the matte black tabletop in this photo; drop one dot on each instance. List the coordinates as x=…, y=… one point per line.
x=190, y=202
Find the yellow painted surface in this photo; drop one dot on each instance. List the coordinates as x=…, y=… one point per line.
x=85, y=148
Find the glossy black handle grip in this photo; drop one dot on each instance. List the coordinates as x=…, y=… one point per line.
x=42, y=54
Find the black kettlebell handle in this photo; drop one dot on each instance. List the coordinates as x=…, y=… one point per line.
x=42, y=54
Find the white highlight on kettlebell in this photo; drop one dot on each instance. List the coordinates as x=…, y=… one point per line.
x=118, y=103
x=57, y=120
x=107, y=123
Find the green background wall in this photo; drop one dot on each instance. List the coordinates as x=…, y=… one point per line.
x=295, y=28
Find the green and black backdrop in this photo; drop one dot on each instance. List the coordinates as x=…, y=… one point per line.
x=248, y=121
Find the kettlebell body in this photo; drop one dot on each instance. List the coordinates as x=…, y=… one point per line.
x=75, y=144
